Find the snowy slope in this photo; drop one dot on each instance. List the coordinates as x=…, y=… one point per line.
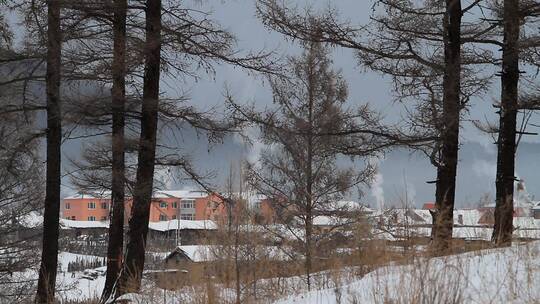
x=510, y=275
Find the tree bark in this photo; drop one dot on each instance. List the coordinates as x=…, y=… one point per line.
x=51, y=216
x=130, y=278
x=116, y=229
x=506, y=144
x=446, y=172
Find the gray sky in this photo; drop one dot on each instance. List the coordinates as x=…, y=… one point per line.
x=401, y=172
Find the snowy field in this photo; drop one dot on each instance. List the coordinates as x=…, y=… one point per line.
x=510, y=275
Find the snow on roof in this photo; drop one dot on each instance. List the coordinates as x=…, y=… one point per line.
x=205, y=253
x=31, y=220
x=158, y=226
x=104, y=195
x=470, y=216
x=198, y=253
x=157, y=194
x=347, y=205
x=521, y=222
x=251, y=197
x=69, y=224
x=182, y=224
x=180, y=194
x=323, y=220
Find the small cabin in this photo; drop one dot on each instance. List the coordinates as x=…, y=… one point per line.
x=174, y=275
x=177, y=259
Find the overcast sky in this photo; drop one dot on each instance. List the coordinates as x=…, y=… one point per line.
x=400, y=172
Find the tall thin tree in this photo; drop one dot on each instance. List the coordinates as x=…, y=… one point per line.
x=116, y=228
x=305, y=135
x=49, y=254
x=446, y=172
x=131, y=274
x=503, y=228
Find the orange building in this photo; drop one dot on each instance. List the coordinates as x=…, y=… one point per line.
x=165, y=206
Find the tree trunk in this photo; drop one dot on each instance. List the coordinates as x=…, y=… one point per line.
x=506, y=144
x=116, y=229
x=130, y=278
x=446, y=172
x=309, y=249
x=51, y=216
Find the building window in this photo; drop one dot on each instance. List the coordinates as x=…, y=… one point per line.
x=174, y=217
x=73, y=218
x=91, y=218
x=91, y=205
x=103, y=218
x=68, y=206
x=162, y=217
x=104, y=206
x=187, y=217
x=188, y=204
x=68, y=218
x=175, y=205
x=162, y=205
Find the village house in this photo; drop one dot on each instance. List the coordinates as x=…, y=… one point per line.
x=165, y=206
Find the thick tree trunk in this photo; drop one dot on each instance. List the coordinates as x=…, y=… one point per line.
x=130, y=278
x=116, y=229
x=502, y=232
x=446, y=172
x=51, y=216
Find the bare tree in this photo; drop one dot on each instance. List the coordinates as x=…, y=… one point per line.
x=446, y=172
x=516, y=27
x=49, y=253
x=506, y=143
x=304, y=135
x=421, y=46
x=115, y=249
x=131, y=275
x=21, y=197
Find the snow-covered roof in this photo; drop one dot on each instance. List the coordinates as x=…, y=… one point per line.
x=31, y=219
x=182, y=224
x=205, y=253
x=180, y=194
x=323, y=220
x=158, y=194
x=349, y=205
x=470, y=216
x=104, y=195
x=69, y=224
x=251, y=197
x=158, y=226
x=421, y=216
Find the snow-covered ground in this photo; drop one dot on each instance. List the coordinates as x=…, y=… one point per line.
x=509, y=275
x=506, y=275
